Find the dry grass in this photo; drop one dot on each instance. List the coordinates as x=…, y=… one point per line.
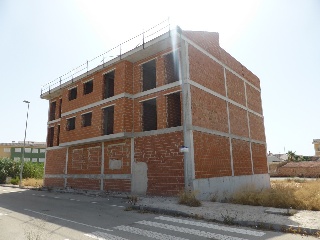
x=32, y=182
x=188, y=198
x=302, y=195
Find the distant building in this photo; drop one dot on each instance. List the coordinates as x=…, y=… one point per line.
x=316, y=143
x=121, y=126
x=34, y=151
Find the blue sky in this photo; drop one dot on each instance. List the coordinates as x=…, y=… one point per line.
x=278, y=40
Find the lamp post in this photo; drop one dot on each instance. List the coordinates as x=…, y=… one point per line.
x=24, y=144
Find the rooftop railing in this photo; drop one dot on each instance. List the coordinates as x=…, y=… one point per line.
x=109, y=55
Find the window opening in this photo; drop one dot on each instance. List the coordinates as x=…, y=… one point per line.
x=171, y=64
x=50, y=136
x=72, y=94
x=173, y=110
x=58, y=136
x=149, y=115
x=87, y=87
x=108, y=120
x=108, y=85
x=60, y=107
x=71, y=124
x=86, y=119
x=52, y=111
x=149, y=75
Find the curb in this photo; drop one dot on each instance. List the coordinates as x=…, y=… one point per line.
x=251, y=224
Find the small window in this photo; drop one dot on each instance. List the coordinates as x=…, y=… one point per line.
x=87, y=87
x=108, y=83
x=42, y=159
x=50, y=136
x=17, y=150
x=27, y=150
x=71, y=124
x=173, y=110
x=149, y=75
x=72, y=94
x=34, y=159
x=86, y=119
x=60, y=107
x=42, y=150
x=108, y=120
x=35, y=150
x=16, y=159
x=52, y=115
x=58, y=136
x=27, y=159
x=6, y=150
x=171, y=65
x=149, y=115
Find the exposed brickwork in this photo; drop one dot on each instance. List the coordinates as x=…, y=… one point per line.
x=236, y=91
x=254, y=99
x=241, y=157
x=238, y=121
x=54, y=182
x=206, y=71
x=212, y=155
x=118, y=150
x=208, y=111
x=256, y=127
x=84, y=183
x=84, y=159
x=56, y=161
x=121, y=185
x=259, y=157
x=164, y=162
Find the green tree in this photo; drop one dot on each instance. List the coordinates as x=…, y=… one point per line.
x=291, y=156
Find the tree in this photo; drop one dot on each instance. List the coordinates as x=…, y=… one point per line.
x=291, y=155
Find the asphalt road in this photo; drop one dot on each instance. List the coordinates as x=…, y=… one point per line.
x=39, y=215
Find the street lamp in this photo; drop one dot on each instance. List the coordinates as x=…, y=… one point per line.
x=24, y=145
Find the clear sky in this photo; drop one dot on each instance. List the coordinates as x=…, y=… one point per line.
x=278, y=40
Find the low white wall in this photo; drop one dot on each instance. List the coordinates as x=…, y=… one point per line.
x=223, y=187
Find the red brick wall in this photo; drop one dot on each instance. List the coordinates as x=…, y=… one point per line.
x=238, y=121
x=206, y=71
x=56, y=161
x=241, y=157
x=254, y=99
x=211, y=155
x=298, y=169
x=164, y=162
x=259, y=157
x=84, y=159
x=257, y=127
x=236, y=91
x=54, y=182
x=208, y=111
x=121, y=185
x=84, y=183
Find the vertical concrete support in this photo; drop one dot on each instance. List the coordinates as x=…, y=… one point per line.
x=245, y=92
x=66, y=168
x=229, y=127
x=189, y=172
x=102, y=167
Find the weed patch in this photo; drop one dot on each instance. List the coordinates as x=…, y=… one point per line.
x=301, y=195
x=188, y=198
x=32, y=182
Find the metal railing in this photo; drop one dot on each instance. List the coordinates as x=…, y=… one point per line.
x=113, y=53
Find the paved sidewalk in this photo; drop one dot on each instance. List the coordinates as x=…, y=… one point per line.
x=307, y=222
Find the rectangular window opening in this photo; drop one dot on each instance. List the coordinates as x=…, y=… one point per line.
x=87, y=87
x=58, y=136
x=52, y=114
x=149, y=115
x=86, y=119
x=71, y=124
x=149, y=75
x=173, y=110
x=50, y=136
x=17, y=150
x=108, y=120
x=72, y=94
x=171, y=64
x=60, y=107
x=108, y=83
x=6, y=150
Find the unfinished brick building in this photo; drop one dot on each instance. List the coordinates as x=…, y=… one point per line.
x=121, y=126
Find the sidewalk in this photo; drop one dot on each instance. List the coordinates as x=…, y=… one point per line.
x=304, y=222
